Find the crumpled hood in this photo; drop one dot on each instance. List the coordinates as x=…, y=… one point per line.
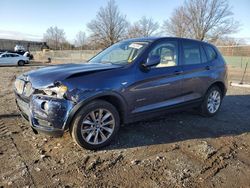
x=44, y=77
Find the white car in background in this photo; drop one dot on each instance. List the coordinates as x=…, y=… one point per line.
x=13, y=59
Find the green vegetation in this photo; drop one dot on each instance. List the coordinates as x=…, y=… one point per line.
x=237, y=61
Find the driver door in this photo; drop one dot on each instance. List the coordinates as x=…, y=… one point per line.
x=160, y=85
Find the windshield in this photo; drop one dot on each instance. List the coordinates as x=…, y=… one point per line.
x=120, y=53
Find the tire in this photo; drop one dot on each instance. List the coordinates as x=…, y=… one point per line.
x=86, y=125
x=211, y=104
x=20, y=63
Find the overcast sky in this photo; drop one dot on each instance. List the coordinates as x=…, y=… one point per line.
x=29, y=19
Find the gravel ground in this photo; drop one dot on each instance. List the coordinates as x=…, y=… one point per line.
x=177, y=150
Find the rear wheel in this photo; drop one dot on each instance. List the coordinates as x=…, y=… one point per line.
x=95, y=125
x=21, y=63
x=212, y=102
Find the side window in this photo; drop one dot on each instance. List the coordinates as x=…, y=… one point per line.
x=168, y=52
x=211, y=54
x=191, y=52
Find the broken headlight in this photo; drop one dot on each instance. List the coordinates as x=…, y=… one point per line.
x=57, y=91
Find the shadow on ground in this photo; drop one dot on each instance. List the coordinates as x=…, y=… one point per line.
x=13, y=115
x=232, y=119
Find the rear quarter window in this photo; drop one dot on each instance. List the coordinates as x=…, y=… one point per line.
x=211, y=53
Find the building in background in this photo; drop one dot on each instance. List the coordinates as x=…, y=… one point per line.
x=9, y=45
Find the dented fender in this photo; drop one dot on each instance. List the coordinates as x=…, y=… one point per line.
x=83, y=97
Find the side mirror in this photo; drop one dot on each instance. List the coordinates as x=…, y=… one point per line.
x=152, y=61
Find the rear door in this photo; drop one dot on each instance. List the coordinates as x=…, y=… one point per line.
x=196, y=70
x=159, y=86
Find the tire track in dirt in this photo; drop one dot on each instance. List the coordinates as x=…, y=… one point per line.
x=210, y=160
x=43, y=166
x=214, y=162
x=25, y=164
x=3, y=129
x=6, y=134
x=218, y=161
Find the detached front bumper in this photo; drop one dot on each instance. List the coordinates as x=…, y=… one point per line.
x=45, y=114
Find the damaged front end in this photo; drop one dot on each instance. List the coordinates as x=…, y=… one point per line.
x=48, y=114
x=46, y=109
x=49, y=97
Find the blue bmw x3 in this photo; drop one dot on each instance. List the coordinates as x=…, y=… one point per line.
x=127, y=82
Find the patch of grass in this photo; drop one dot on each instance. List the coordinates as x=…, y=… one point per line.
x=237, y=61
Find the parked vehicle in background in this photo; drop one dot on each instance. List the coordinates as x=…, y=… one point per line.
x=19, y=47
x=126, y=82
x=24, y=53
x=28, y=54
x=13, y=59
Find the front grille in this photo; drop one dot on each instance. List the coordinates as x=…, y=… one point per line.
x=28, y=90
x=23, y=88
x=19, y=86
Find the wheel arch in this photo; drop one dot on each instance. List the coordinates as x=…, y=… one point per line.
x=221, y=85
x=113, y=98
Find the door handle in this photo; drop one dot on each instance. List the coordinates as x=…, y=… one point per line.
x=178, y=72
x=208, y=67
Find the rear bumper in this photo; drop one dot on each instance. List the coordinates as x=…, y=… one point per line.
x=50, y=120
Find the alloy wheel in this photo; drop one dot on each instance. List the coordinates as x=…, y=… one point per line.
x=213, y=102
x=97, y=126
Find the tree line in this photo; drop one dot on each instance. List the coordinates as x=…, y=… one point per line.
x=206, y=20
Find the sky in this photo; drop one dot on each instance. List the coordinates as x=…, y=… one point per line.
x=29, y=19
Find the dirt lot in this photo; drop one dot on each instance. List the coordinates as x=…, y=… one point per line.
x=178, y=150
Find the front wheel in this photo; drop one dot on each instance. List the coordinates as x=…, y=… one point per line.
x=21, y=63
x=95, y=125
x=212, y=102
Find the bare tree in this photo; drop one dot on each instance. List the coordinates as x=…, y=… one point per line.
x=148, y=26
x=177, y=24
x=202, y=20
x=145, y=27
x=134, y=31
x=109, y=26
x=230, y=41
x=55, y=37
x=80, y=39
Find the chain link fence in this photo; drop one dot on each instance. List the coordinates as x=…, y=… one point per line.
x=64, y=56
x=238, y=60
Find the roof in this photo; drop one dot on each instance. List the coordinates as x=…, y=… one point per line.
x=151, y=39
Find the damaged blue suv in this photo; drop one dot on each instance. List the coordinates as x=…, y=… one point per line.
x=126, y=82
